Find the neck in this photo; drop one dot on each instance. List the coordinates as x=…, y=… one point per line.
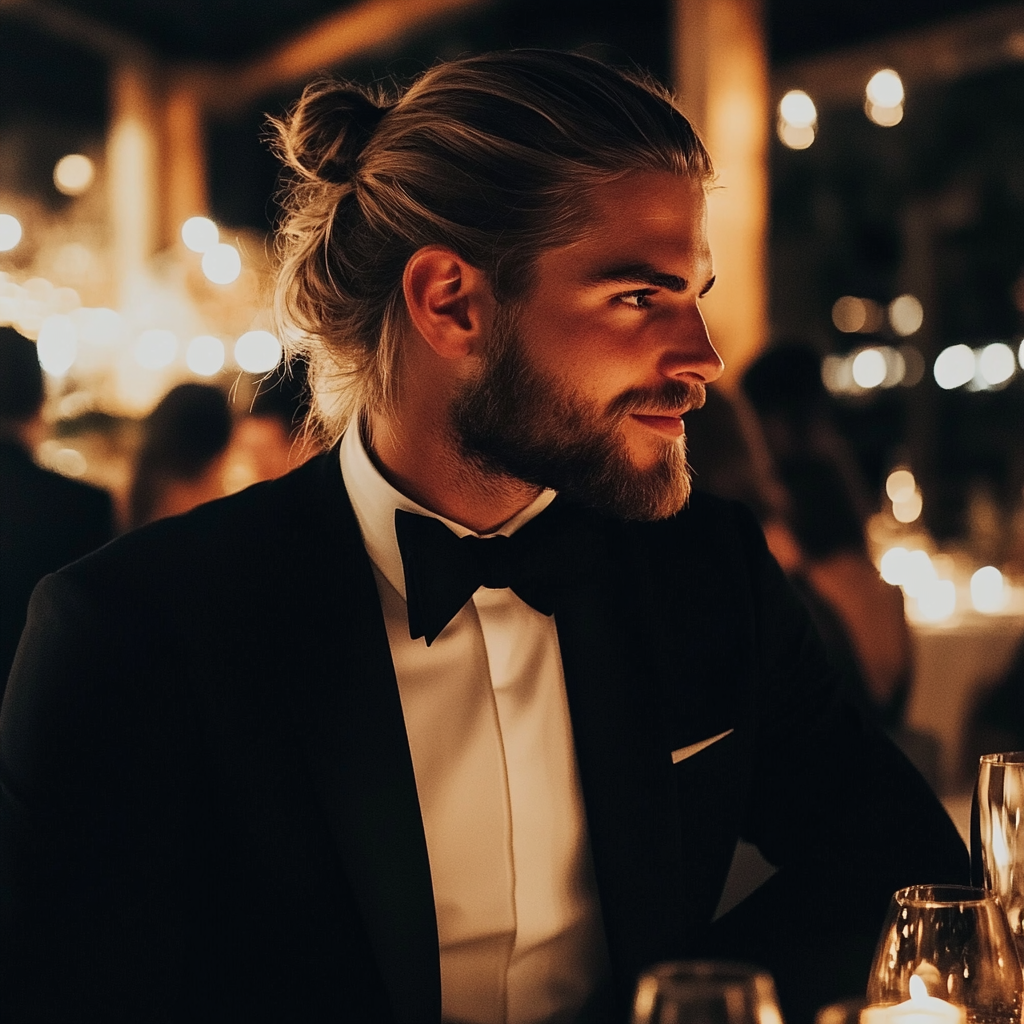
x=419, y=457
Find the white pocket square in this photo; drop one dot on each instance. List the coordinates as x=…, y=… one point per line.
x=695, y=748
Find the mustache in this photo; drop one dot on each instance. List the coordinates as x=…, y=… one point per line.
x=673, y=398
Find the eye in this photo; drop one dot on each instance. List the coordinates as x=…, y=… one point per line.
x=639, y=299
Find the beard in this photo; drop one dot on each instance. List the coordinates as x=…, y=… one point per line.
x=514, y=420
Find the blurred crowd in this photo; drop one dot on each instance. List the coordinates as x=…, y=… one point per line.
x=196, y=445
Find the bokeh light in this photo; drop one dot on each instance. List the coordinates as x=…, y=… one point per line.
x=57, y=347
x=258, y=351
x=996, y=364
x=900, y=484
x=885, y=117
x=885, y=88
x=155, y=349
x=797, y=108
x=988, y=590
x=73, y=174
x=893, y=565
x=222, y=263
x=10, y=232
x=795, y=136
x=954, y=367
x=869, y=368
x=200, y=234
x=908, y=509
x=797, y=119
x=205, y=355
x=906, y=314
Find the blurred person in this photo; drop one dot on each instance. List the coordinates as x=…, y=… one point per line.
x=728, y=458
x=46, y=519
x=827, y=512
x=462, y=719
x=271, y=438
x=180, y=462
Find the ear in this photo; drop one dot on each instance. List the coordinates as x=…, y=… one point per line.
x=450, y=301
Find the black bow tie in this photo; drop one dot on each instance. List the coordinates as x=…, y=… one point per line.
x=540, y=561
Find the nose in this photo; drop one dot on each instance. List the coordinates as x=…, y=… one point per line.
x=691, y=356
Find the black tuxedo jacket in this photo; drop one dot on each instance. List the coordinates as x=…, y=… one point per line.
x=46, y=521
x=209, y=809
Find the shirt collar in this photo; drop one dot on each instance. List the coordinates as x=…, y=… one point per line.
x=374, y=501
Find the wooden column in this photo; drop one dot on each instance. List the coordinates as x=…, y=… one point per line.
x=132, y=171
x=721, y=78
x=184, y=158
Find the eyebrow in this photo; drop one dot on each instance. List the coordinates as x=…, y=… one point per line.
x=643, y=273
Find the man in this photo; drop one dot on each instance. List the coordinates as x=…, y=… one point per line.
x=318, y=751
x=46, y=520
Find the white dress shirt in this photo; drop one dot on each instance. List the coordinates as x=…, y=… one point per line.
x=519, y=925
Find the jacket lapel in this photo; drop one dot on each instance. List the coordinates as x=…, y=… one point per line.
x=625, y=764
x=349, y=721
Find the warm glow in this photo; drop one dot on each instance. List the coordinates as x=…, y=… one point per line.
x=205, y=355
x=222, y=264
x=954, y=367
x=937, y=600
x=1020, y=354
x=869, y=368
x=849, y=314
x=10, y=232
x=996, y=363
x=852, y=315
x=918, y=573
x=257, y=351
x=886, y=117
x=908, y=509
x=797, y=108
x=885, y=89
x=200, y=234
x=988, y=590
x=156, y=349
x=73, y=174
x=795, y=136
x=906, y=315
x=99, y=326
x=893, y=566
x=57, y=346
x=900, y=485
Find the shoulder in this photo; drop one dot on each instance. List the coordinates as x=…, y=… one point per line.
x=253, y=536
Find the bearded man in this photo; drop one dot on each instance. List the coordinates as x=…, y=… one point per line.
x=463, y=719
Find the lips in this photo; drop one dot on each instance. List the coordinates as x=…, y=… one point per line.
x=668, y=426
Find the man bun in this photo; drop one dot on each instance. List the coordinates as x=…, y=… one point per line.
x=329, y=129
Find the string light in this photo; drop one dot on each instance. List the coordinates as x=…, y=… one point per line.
x=258, y=351
x=200, y=234
x=222, y=263
x=798, y=119
x=10, y=232
x=73, y=174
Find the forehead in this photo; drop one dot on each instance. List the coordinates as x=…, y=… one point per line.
x=648, y=216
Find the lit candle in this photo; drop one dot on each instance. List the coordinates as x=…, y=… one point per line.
x=920, y=1008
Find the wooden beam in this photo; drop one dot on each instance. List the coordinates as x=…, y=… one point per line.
x=352, y=32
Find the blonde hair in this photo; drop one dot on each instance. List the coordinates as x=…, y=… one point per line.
x=493, y=156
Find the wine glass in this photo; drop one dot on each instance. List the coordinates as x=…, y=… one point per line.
x=1000, y=814
x=705, y=992
x=948, y=944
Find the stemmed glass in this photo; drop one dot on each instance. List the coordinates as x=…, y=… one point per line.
x=1001, y=820
x=705, y=992
x=956, y=942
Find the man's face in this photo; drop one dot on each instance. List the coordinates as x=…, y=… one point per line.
x=587, y=378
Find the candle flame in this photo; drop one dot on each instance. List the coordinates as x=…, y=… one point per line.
x=918, y=989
